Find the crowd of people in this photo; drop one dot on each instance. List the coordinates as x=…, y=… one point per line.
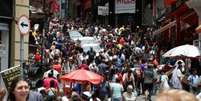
x=130, y=62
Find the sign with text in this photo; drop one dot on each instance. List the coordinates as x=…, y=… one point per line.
x=103, y=10
x=10, y=74
x=125, y=6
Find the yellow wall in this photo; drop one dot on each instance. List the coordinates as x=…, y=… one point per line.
x=21, y=8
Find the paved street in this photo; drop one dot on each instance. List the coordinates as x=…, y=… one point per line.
x=92, y=49
x=142, y=98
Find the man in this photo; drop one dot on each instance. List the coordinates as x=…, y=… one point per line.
x=149, y=79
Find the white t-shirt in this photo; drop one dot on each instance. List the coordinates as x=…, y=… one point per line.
x=179, y=73
x=164, y=82
x=194, y=80
x=64, y=98
x=129, y=98
x=97, y=99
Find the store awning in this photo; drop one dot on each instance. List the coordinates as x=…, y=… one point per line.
x=162, y=29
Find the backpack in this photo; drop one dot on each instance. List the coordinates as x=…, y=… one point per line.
x=51, y=95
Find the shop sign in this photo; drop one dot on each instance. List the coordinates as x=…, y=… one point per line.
x=125, y=6
x=103, y=10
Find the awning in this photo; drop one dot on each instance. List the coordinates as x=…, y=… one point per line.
x=162, y=29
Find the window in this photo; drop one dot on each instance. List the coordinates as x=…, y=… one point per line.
x=6, y=8
x=0, y=37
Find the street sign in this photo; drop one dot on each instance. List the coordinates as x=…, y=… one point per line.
x=24, y=24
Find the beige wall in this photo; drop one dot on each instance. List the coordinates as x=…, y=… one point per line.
x=21, y=8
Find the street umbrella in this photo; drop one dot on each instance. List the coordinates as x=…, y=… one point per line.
x=82, y=75
x=183, y=50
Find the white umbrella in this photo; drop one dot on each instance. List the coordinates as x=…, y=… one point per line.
x=183, y=50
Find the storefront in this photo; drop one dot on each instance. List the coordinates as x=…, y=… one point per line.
x=182, y=29
x=4, y=46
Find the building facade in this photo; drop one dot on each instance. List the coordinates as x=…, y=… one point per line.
x=177, y=25
x=11, y=10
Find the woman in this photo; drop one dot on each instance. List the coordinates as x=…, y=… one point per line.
x=128, y=79
x=19, y=90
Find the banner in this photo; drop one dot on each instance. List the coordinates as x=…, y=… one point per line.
x=10, y=74
x=125, y=6
x=103, y=10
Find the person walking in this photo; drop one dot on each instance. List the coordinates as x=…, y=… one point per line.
x=149, y=79
x=116, y=90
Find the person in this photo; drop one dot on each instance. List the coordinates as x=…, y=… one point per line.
x=94, y=97
x=128, y=79
x=46, y=81
x=75, y=96
x=20, y=91
x=177, y=76
x=116, y=90
x=52, y=92
x=57, y=66
x=149, y=79
x=175, y=95
x=104, y=90
x=2, y=93
x=164, y=81
x=194, y=80
x=129, y=95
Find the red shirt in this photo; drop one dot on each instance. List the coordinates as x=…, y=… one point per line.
x=122, y=41
x=37, y=57
x=46, y=83
x=57, y=67
x=84, y=66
